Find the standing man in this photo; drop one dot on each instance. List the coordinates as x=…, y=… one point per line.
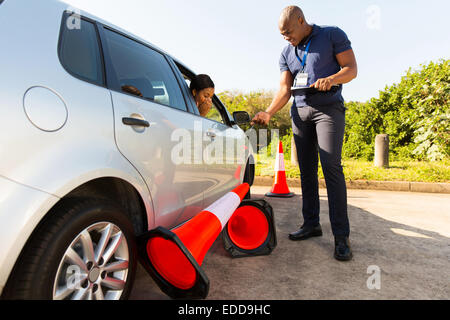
x=317, y=61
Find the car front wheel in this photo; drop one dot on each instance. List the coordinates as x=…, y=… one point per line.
x=83, y=250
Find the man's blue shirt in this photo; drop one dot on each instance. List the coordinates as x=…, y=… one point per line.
x=326, y=43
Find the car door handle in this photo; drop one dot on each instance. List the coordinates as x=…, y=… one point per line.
x=211, y=134
x=135, y=122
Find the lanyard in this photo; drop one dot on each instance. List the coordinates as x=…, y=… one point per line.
x=303, y=63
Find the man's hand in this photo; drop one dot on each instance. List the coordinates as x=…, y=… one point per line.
x=279, y=101
x=349, y=71
x=323, y=84
x=261, y=118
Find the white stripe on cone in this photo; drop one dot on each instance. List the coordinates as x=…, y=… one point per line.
x=224, y=208
x=279, y=162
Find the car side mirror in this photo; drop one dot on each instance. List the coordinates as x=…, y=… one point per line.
x=241, y=117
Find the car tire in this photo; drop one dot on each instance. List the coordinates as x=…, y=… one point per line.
x=75, y=229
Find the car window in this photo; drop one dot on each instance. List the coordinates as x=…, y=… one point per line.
x=215, y=115
x=143, y=72
x=80, y=52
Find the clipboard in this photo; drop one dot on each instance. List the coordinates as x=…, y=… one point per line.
x=304, y=89
x=307, y=89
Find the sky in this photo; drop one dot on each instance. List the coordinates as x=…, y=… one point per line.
x=237, y=42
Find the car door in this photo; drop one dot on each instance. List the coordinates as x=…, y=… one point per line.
x=223, y=152
x=223, y=147
x=149, y=111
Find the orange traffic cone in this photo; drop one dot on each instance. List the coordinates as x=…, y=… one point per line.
x=280, y=188
x=251, y=230
x=173, y=258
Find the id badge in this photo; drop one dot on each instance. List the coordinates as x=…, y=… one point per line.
x=301, y=80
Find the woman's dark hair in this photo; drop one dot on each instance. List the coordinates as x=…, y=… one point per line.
x=200, y=82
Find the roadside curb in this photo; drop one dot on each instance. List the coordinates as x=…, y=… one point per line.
x=427, y=187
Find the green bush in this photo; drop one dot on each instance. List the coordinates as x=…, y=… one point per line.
x=415, y=113
x=362, y=121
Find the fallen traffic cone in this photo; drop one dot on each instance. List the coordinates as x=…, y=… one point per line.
x=280, y=188
x=173, y=258
x=251, y=230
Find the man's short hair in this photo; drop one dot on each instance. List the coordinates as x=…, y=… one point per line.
x=289, y=13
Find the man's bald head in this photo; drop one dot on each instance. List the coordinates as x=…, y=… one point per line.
x=290, y=14
x=293, y=25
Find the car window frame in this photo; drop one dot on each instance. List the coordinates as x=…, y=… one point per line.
x=223, y=110
x=111, y=78
x=66, y=14
x=185, y=89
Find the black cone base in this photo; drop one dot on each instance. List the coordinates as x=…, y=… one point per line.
x=280, y=195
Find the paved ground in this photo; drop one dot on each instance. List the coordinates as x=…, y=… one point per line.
x=406, y=235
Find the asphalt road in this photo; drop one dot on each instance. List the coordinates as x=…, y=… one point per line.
x=400, y=242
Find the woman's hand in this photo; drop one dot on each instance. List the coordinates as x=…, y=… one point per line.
x=261, y=118
x=204, y=107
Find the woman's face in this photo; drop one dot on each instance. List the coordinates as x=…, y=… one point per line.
x=203, y=99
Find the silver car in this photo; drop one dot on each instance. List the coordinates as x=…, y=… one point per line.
x=86, y=165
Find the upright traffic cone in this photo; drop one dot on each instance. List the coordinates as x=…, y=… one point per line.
x=280, y=188
x=173, y=258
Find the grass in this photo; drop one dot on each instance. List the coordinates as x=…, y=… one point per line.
x=365, y=170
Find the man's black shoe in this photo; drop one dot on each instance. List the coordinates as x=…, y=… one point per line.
x=342, y=250
x=305, y=233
